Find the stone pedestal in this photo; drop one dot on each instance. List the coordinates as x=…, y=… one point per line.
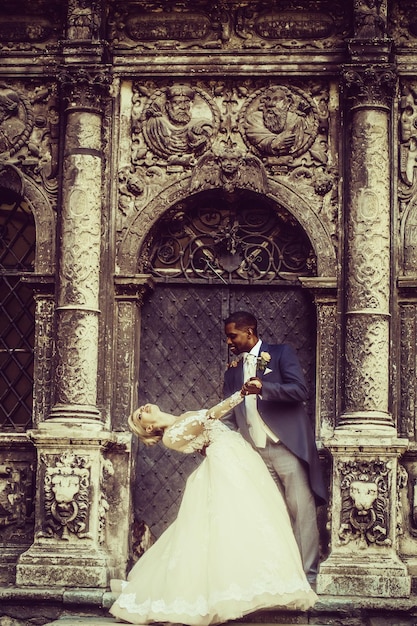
x=364, y=518
x=74, y=486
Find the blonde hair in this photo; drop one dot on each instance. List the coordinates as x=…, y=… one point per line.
x=135, y=425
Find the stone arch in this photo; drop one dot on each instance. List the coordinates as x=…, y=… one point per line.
x=17, y=187
x=142, y=223
x=45, y=221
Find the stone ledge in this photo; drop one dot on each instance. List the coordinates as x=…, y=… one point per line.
x=89, y=606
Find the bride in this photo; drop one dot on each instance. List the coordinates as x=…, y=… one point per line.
x=231, y=550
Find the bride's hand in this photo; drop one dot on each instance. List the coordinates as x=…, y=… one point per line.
x=253, y=385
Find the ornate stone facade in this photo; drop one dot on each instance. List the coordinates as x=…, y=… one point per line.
x=236, y=145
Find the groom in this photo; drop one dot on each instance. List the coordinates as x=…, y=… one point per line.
x=275, y=422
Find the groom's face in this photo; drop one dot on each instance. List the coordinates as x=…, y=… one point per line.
x=239, y=339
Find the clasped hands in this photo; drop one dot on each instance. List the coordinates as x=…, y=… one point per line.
x=253, y=385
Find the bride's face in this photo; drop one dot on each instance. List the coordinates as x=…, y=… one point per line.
x=149, y=415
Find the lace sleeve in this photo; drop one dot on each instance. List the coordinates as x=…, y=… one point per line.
x=225, y=406
x=182, y=433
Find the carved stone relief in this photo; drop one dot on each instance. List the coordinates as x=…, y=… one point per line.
x=280, y=122
x=364, y=498
x=408, y=375
x=107, y=470
x=402, y=24
x=31, y=26
x=66, y=487
x=77, y=354
x=202, y=24
x=178, y=123
x=29, y=132
x=368, y=220
x=367, y=345
x=407, y=184
x=370, y=19
x=16, y=502
x=83, y=21
x=220, y=139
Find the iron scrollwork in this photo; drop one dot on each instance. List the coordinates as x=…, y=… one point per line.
x=240, y=244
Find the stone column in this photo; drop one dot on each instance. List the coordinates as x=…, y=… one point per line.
x=364, y=446
x=76, y=469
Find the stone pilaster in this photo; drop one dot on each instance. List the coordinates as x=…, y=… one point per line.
x=76, y=456
x=365, y=447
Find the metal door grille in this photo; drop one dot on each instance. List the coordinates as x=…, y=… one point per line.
x=17, y=308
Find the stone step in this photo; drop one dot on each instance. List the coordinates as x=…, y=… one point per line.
x=104, y=621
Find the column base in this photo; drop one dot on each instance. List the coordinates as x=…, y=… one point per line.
x=77, y=567
x=384, y=578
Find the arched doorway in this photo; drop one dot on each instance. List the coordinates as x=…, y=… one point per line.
x=210, y=254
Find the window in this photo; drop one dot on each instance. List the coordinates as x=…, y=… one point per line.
x=17, y=306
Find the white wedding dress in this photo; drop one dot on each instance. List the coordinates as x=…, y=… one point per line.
x=231, y=549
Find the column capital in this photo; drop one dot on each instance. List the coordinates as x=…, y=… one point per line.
x=85, y=88
x=370, y=85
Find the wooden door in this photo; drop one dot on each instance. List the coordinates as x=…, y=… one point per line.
x=183, y=355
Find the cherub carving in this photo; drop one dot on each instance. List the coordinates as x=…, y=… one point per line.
x=229, y=169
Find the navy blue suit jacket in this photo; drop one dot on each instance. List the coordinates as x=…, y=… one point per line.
x=281, y=406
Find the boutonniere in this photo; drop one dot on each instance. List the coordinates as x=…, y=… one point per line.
x=262, y=361
x=235, y=362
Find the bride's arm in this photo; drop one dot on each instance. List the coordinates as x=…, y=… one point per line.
x=180, y=435
x=225, y=406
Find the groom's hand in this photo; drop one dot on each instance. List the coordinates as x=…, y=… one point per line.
x=253, y=385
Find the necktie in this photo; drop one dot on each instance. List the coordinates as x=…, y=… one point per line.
x=253, y=418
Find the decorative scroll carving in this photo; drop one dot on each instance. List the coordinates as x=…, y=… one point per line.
x=126, y=322
x=408, y=373
x=30, y=26
x=365, y=502
x=178, y=124
x=368, y=220
x=373, y=84
x=16, y=508
x=77, y=354
x=208, y=25
x=44, y=353
x=107, y=470
x=367, y=345
x=402, y=482
x=327, y=340
x=66, y=486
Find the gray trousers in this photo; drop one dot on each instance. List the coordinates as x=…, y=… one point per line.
x=292, y=479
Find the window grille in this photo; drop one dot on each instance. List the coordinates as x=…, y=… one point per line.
x=17, y=308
